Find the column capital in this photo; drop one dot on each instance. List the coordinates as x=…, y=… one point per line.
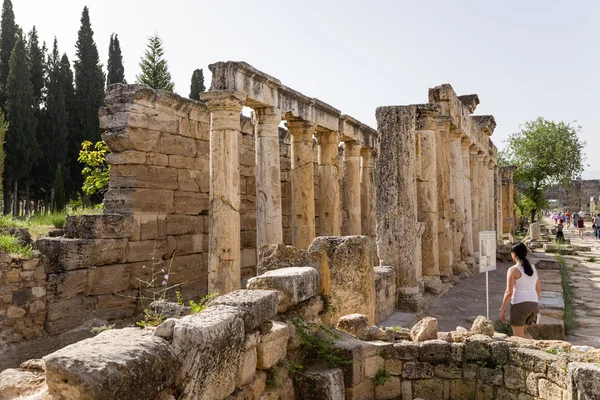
x=480, y=155
x=223, y=100
x=327, y=137
x=300, y=129
x=368, y=155
x=352, y=148
x=267, y=116
x=456, y=134
x=465, y=143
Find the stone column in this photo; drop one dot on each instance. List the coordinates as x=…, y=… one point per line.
x=508, y=193
x=491, y=204
x=224, y=190
x=457, y=193
x=351, y=219
x=484, y=198
x=467, y=250
x=396, y=188
x=444, y=206
x=367, y=192
x=303, y=188
x=427, y=205
x=329, y=184
x=269, y=226
x=476, y=194
x=498, y=204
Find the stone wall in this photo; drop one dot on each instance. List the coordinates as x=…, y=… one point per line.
x=577, y=196
x=248, y=344
x=22, y=300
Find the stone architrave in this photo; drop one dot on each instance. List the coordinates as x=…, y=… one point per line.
x=269, y=227
x=396, y=188
x=351, y=217
x=367, y=191
x=303, y=187
x=427, y=203
x=457, y=193
x=444, y=200
x=467, y=249
x=329, y=186
x=224, y=196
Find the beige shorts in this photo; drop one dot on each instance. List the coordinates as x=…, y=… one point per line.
x=523, y=313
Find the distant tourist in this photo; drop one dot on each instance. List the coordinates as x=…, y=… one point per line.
x=568, y=217
x=560, y=237
x=575, y=219
x=597, y=221
x=580, y=226
x=523, y=290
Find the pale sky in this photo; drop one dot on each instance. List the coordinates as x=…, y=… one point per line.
x=523, y=58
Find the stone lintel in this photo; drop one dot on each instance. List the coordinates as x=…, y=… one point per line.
x=486, y=123
x=352, y=129
x=470, y=101
x=223, y=100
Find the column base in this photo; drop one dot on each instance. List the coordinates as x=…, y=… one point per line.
x=476, y=256
x=433, y=284
x=469, y=261
x=409, y=299
x=458, y=267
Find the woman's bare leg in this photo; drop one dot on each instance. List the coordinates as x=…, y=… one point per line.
x=526, y=334
x=520, y=332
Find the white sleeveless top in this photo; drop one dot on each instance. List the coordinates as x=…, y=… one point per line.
x=525, y=287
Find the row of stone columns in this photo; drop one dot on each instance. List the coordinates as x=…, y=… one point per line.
x=350, y=212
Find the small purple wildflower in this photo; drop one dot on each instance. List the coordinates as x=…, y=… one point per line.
x=166, y=276
x=164, y=283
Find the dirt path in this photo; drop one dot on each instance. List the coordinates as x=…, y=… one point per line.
x=466, y=300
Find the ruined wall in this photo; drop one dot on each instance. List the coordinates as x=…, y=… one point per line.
x=577, y=196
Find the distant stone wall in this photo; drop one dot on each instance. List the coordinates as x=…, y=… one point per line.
x=577, y=196
x=22, y=300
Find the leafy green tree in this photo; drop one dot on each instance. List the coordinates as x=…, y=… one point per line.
x=197, y=85
x=36, y=53
x=8, y=38
x=116, y=71
x=21, y=145
x=96, y=170
x=155, y=72
x=89, y=82
x=545, y=153
x=60, y=200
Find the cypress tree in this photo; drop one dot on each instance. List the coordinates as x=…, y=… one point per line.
x=89, y=82
x=21, y=144
x=8, y=38
x=72, y=177
x=3, y=129
x=115, y=69
x=197, y=85
x=37, y=67
x=155, y=72
x=59, y=190
x=54, y=137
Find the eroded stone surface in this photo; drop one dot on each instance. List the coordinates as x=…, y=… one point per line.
x=293, y=285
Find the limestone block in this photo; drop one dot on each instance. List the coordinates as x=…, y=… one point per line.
x=427, y=389
x=417, y=370
x=19, y=383
x=435, y=351
x=208, y=346
x=184, y=224
x=145, y=250
x=107, y=279
x=189, y=180
x=175, y=144
x=406, y=351
x=500, y=351
x=457, y=351
x=373, y=364
x=132, y=138
x=392, y=366
x=68, y=314
x=491, y=376
x=102, y=226
x=353, y=350
x=273, y=345
x=323, y=385
x=247, y=367
x=425, y=329
x=116, y=364
x=255, y=306
x=14, y=312
x=448, y=371
x=385, y=292
x=505, y=394
x=514, y=377
x=137, y=157
x=533, y=360
x=294, y=285
x=143, y=176
x=483, y=326
x=484, y=392
x=391, y=389
x=309, y=310
x=354, y=324
x=277, y=256
x=583, y=381
x=362, y=391
x=189, y=202
x=477, y=348
x=140, y=201
x=550, y=391
x=535, y=232
x=70, y=254
x=462, y=389
x=351, y=273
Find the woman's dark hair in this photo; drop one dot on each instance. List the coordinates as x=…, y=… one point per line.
x=520, y=251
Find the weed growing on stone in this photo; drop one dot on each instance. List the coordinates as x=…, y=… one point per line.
x=552, y=350
x=395, y=328
x=569, y=314
x=203, y=303
x=151, y=318
x=99, y=329
x=12, y=245
x=271, y=381
x=318, y=343
x=591, y=259
x=381, y=377
x=503, y=327
x=297, y=372
x=328, y=306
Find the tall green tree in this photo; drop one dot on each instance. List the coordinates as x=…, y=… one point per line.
x=72, y=172
x=545, y=153
x=115, y=69
x=21, y=145
x=155, y=72
x=36, y=54
x=89, y=82
x=197, y=85
x=55, y=133
x=3, y=129
x=58, y=189
x=8, y=38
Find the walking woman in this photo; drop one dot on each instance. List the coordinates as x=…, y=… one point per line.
x=522, y=291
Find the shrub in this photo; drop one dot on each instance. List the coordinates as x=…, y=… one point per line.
x=13, y=246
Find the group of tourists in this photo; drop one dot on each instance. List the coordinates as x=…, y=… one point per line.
x=577, y=219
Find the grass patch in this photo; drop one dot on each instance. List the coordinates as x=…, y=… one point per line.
x=99, y=329
x=591, y=259
x=13, y=246
x=569, y=315
x=503, y=327
x=381, y=377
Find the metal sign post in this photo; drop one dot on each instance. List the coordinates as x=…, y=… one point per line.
x=487, y=261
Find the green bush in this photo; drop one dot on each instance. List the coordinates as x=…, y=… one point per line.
x=11, y=245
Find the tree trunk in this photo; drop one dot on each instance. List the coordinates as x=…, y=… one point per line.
x=533, y=212
x=51, y=200
x=6, y=198
x=27, y=200
x=15, y=210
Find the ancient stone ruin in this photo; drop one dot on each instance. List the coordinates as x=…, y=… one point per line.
x=300, y=227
